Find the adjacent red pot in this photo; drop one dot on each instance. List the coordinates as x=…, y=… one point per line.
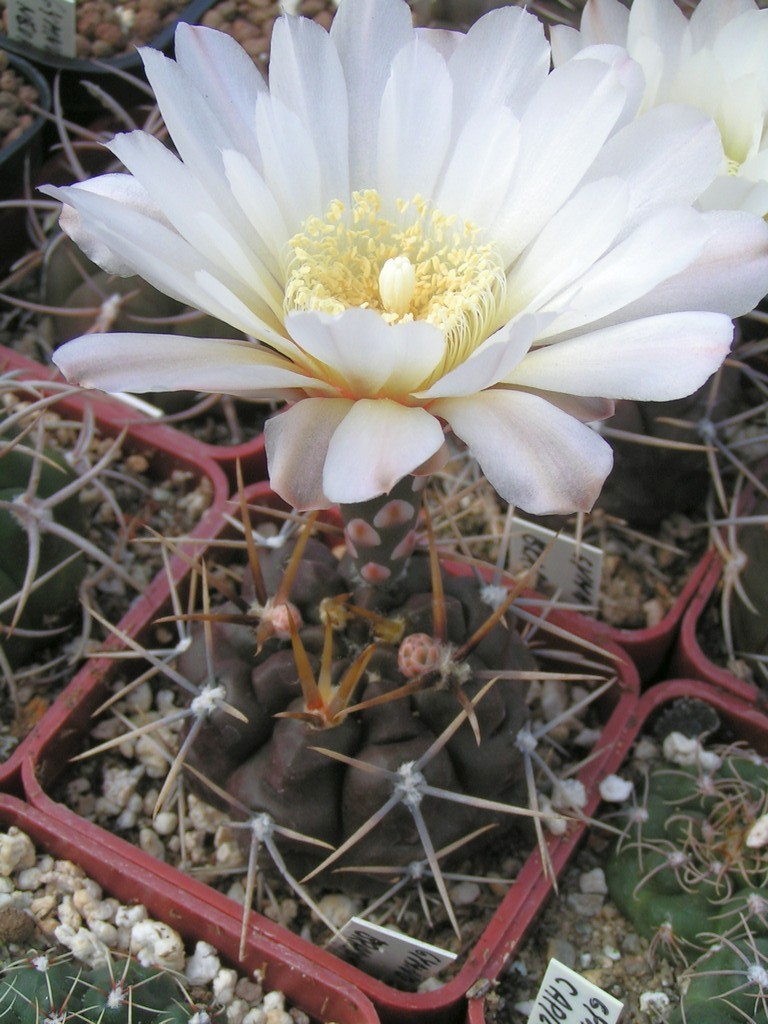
x=741, y=719
x=167, y=450
x=62, y=732
x=317, y=992
x=651, y=647
x=689, y=658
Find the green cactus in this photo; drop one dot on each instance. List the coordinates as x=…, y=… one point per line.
x=690, y=860
x=728, y=985
x=30, y=480
x=691, y=872
x=43, y=989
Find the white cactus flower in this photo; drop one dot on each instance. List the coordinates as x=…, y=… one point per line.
x=423, y=231
x=716, y=61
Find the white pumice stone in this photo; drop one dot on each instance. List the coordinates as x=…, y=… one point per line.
x=202, y=816
x=127, y=917
x=464, y=894
x=687, y=751
x=249, y=990
x=653, y=1002
x=236, y=1011
x=83, y=943
x=104, y=932
x=16, y=851
x=594, y=881
x=68, y=915
x=338, y=908
x=569, y=794
x=554, y=698
x=155, y=943
x=224, y=985
x=151, y=843
x=152, y=757
x=166, y=822
x=203, y=966
x=140, y=699
x=29, y=879
x=616, y=790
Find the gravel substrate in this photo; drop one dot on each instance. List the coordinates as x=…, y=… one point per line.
x=50, y=906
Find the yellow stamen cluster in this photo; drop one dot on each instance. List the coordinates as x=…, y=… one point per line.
x=413, y=262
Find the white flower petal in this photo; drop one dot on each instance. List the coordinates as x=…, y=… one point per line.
x=536, y=456
x=729, y=276
x=709, y=17
x=481, y=166
x=493, y=361
x=605, y=21
x=227, y=79
x=575, y=237
x=297, y=441
x=574, y=112
x=444, y=40
x=122, y=189
x=291, y=164
x=376, y=445
x=197, y=131
x=671, y=154
x=365, y=354
x=660, y=247
x=414, y=136
x=306, y=76
x=140, y=243
x=256, y=201
x=661, y=25
x=195, y=216
x=367, y=35
x=655, y=359
x=168, y=362
x=565, y=42
x=483, y=73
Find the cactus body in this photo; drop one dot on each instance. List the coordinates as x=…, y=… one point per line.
x=120, y=992
x=59, y=592
x=694, y=868
x=272, y=765
x=728, y=985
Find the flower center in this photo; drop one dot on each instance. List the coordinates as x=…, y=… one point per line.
x=412, y=263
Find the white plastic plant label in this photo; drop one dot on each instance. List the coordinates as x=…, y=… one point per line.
x=45, y=24
x=566, y=998
x=388, y=955
x=571, y=569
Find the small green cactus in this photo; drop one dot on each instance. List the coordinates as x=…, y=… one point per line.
x=44, y=990
x=31, y=480
x=690, y=870
x=727, y=985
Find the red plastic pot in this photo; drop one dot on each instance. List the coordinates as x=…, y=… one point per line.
x=315, y=991
x=689, y=658
x=167, y=450
x=740, y=720
x=62, y=732
x=651, y=647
